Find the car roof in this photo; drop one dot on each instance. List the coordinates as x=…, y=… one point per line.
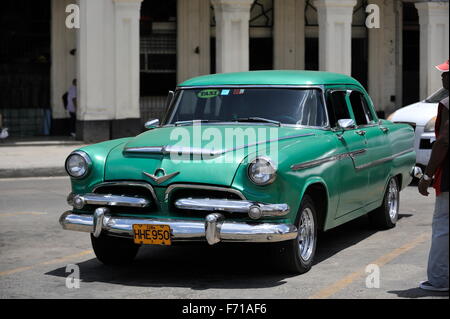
x=285, y=77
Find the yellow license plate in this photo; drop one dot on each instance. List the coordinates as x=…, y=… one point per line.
x=152, y=234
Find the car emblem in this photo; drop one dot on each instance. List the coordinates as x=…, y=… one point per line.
x=160, y=175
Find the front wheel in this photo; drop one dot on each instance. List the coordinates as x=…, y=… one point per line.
x=298, y=254
x=114, y=250
x=386, y=215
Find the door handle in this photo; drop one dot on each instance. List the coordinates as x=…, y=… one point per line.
x=384, y=129
x=361, y=133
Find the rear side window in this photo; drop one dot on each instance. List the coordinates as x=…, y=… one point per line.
x=363, y=116
x=337, y=107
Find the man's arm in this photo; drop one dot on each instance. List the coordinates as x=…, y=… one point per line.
x=438, y=153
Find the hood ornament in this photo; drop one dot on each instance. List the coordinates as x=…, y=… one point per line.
x=161, y=178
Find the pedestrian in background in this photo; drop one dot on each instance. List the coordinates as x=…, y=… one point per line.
x=72, y=106
x=3, y=130
x=437, y=171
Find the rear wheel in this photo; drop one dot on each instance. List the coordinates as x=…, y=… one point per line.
x=386, y=215
x=298, y=254
x=114, y=250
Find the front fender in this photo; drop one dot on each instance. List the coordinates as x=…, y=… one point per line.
x=98, y=153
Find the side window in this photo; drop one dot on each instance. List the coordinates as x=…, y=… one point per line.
x=337, y=107
x=363, y=116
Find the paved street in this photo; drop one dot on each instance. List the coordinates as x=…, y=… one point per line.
x=34, y=253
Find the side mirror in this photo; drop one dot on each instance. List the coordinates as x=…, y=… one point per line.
x=346, y=124
x=169, y=98
x=151, y=124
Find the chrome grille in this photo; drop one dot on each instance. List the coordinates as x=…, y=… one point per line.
x=132, y=189
x=196, y=191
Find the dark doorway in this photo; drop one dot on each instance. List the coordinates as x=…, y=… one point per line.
x=212, y=58
x=411, y=54
x=25, y=66
x=261, y=54
x=312, y=54
x=360, y=60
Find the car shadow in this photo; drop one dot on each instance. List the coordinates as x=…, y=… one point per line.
x=222, y=266
x=337, y=239
x=198, y=267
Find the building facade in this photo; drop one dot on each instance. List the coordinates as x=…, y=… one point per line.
x=126, y=54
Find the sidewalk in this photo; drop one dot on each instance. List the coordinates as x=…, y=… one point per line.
x=34, y=157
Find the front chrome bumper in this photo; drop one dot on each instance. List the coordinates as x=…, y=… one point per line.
x=213, y=229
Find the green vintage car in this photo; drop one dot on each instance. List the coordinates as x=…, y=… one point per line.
x=256, y=157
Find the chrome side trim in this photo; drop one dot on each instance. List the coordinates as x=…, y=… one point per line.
x=176, y=150
x=383, y=160
x=79, y=201
x=129, y=183
x=314, y=163
x=232, y=206
x=205, y=187
x=183, y=230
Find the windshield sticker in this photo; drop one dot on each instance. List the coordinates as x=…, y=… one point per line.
x=225, y=92
x=238, y=91
x=207, y=94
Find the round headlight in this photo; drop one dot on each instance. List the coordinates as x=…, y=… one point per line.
x=262, y=171
x=78, y=164
x=429, y=127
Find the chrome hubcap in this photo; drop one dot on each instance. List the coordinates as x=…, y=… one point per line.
x=306, y=234
x=392, y=200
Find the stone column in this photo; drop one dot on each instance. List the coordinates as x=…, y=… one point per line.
x=108, y=69
x=382, y=58
x=63, y=68
x=193, y=39
x=434, y=34
x=335, y=35
x=95, y=68
x=232, y=35
x=126, y=66
x=289, y=34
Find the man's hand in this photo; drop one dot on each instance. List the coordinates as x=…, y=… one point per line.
x=423, y=186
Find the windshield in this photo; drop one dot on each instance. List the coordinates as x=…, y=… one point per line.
x=437, y=96
x=287, y=106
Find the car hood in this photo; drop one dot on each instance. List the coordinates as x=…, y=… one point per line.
x=192, y=156
x=419, y=113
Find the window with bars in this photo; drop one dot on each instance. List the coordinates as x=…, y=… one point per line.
x=25, y=66
x=158, y=56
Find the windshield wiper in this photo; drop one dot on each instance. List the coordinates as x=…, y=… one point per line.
x=258, y=119
x=196, y=121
